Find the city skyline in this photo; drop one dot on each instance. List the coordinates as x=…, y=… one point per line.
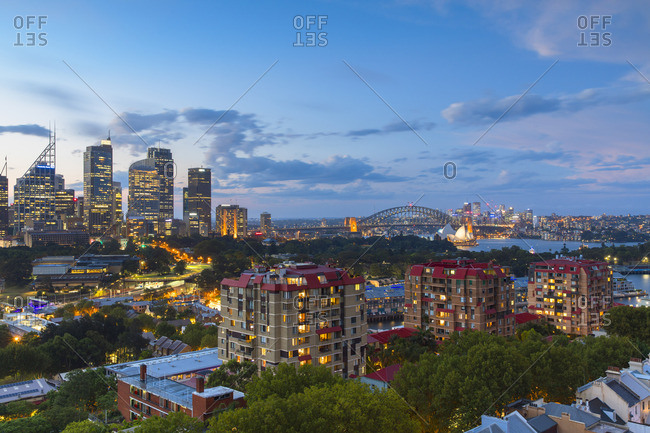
x=527, y=115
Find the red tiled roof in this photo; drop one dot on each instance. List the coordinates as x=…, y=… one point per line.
x=384, y=336
x=386, y=374
x=525, y=318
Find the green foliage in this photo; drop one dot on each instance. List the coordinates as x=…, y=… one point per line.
x=180, y=267
x=34, y=424
x=233, y=374
x=175, y=422
x=346, y=406
x=5, y=336
x=164, y=329
x=86, y=426
x=195, y=334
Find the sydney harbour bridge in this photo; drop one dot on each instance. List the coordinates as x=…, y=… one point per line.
x=401, y=218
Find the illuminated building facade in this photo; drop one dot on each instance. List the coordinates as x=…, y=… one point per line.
x=297, y=314
x=231, y=220
x=165, y=165
x=459, y=294
x=4, y=203
x=98, y=188
x=570, y=293
x=197, y=201
x=117, y=205
x=34, y=198
x=64, y=203
x=144, y=192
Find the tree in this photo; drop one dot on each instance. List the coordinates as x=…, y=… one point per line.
x=180, y=267
x=164, y=329
x=175, y=422
x=86, y=426
x=348, y=406
x=233, y=374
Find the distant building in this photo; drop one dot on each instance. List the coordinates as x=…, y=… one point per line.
x=59, y=237
x=144, y=192
x=385, y=302
x=459, y=294
x=570, y=293
x=4, y=205
x=164, y=162
x=117, y=205
x=166, y=346
x=197, y=202
x=231, y=220
x=64, y=203
x=34, y=194
x=476, y=208
x=265, y=223
x=98, y=188
x=296, y=314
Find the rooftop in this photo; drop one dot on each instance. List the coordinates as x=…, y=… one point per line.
x=395, y=290
x=27, y=389
x=172, y=365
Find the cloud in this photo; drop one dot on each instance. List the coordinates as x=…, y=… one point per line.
x=32, y=129
x=398, y=126
x=487, y=110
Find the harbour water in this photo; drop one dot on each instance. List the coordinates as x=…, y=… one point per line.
x=538, y=245
x=640, y=282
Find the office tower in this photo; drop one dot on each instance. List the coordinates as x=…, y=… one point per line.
x=529, y=215
x=297, y=314
x=64, y=203
x=79, y=207
x=453, y=295
x=165, y=165
x=4, y=202
x=265, y=223
x=59, y=182
x=231, y=220
x=98, y=188
x=144, y=192
x=199, y=201
x=476, y=208
x=117, y=204
x=570, y=293
x=34, y=200
x=467, y=209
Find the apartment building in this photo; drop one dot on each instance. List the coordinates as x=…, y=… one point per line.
x=570, y=293
x=295, y=313
x=459, y=294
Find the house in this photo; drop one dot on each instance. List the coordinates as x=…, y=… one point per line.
x=165, y=346
x=569, y=419
x=380, y=339
x=381, y=378
x=626, y=392
x=511, y=423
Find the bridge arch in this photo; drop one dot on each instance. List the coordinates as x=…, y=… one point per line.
x=410, y=214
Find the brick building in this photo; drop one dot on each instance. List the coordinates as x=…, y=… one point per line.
x=295, y=313
x=570, y=293
x=146, y=396
x=453, y=295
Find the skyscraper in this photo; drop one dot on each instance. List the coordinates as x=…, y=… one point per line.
x=34, y=201
x=265, y=222
x=4, y=201
x=165, y=165
x=231, y=220
x=117, y=203
x=98, y=187
x=144, y=192
x=199, y=201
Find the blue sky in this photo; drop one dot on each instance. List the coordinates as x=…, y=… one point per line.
x=311, y=138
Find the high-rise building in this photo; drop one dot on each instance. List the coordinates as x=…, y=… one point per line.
x=118, y=218
x=197, y=201
x=265, y=223
x=144, y=192
x=98, y=187
x=231, y=220
x=34, y=198
x=297, y=314
x=467, y=209
x=476, y=208
x=64, y=203
x=165, y=165
x=453, y=295
x=571, y=294
x=4, y=202
x=59, y=182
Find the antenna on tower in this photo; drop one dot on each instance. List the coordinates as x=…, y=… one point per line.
x=109, y=135
x=5, y=170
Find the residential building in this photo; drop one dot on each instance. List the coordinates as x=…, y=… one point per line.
x=34, y=194
x=33, y=391
x=459, y=294
x=381, y=378
x=625, y=391
x=570, y=293
x=143, y=396
x=385, y=302
x=297, y=314
x=98, y=188
x=166, y=346
x=144, y=193
x=231, y=220
x=164, y=163
x=197, y=201
x=175, y=367
x=568, y=419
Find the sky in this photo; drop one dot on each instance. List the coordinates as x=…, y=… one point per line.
x=342, y=108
